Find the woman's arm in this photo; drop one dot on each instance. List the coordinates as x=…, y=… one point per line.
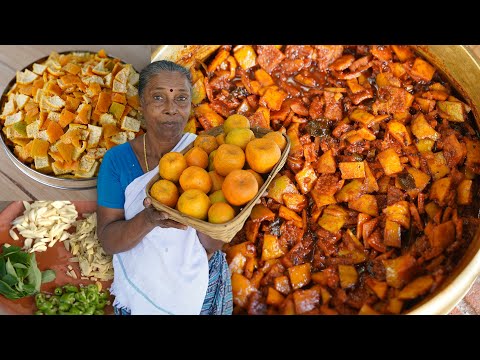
x=210, y=244
x=117, y=234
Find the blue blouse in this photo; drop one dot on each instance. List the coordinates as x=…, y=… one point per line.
x=119, y=168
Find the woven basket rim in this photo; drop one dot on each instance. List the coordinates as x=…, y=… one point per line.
x=210, y=228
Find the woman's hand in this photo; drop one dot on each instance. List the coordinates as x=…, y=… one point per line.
x=210, y=244
x=159, y=218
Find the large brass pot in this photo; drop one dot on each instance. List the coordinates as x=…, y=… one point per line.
x=462, y=69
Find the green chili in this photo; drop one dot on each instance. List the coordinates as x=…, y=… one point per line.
x=75, y=311
x=46, y=305
x=40, y=297
x=72, y=300
x=79, y=306
x=89, y=310
x=70, y=288
x=64, y=307
x=58, y=291
x=100, y=304
x=92, y=288
x=55, y=300
x=52, y=311
x=92, y=297
x=81, y=296
x=105, y=295
x=68, y=298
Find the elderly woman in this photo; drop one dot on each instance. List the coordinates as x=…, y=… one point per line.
x=161, y=266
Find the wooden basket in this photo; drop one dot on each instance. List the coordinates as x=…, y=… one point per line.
x=226, y=231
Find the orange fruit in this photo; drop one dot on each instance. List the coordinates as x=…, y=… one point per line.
x=206, y=142
x=220, y=138
x=239, y=187
x=217, y=181
x=240, y=137
x=258, y=177
x=196, y=156
x=278, y=138
x=195, y=177
x=217, y=196
x=195, y=203
x=228, y=158
x=210, y=160
x=220, y=213
x=171, y=166
x=235, y=121
x=165, y=192
x=262, y=155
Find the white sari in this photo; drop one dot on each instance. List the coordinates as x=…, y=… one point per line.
x=167, y=271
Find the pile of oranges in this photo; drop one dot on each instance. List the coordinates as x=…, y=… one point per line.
x=219, y=174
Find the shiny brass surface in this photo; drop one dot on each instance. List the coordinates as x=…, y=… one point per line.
x=461, y=68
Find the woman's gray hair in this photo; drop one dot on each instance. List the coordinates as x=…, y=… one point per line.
x=157, y=67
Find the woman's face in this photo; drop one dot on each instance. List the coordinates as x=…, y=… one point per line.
x=166, y=104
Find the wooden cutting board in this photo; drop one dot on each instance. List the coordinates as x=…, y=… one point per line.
x=55, y=258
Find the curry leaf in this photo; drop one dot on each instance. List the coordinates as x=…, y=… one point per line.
x=48, y=275
x=7, y=250
x=19, y=266
x=9, y=279
x=7, y=291
x=3, y=270
x=20, y=258
x=19, y=273
x=21, y=270
x=29, y=289
x=34, y=275
x=11, y=269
